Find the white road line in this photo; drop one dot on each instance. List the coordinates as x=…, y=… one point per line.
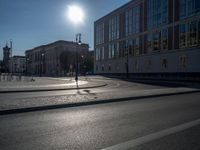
x=153, y=136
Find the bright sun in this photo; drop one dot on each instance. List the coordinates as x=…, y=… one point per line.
x=75, y=14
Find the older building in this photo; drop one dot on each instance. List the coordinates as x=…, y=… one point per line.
x=150, y=38
x=17, y=64
x=55, y=59
x=6, y=57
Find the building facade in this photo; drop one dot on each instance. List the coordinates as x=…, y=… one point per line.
x=149, y=38
x=54, y=59
x=17, y=64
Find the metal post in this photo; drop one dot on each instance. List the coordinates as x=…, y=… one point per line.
x=127, y=62
x=78, y=42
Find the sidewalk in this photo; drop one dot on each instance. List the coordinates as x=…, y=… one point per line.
x=84, y=97
x=48, y=84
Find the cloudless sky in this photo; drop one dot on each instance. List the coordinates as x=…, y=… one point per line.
x=30, y=23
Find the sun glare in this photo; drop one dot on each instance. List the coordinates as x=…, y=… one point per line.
x=75, y=14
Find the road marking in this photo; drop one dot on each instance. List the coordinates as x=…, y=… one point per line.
x=153, y=136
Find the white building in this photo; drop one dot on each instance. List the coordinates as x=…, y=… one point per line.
x=17, y=64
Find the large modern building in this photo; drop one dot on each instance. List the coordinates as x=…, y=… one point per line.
x=150, y=38
x=55, y=59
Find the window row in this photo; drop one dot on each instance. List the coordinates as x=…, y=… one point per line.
x=188, y=8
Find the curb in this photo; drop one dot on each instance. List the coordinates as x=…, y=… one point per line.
x=58, y=89
x=51, y=107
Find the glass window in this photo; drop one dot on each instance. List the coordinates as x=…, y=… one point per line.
x=164, y=11
x=192, y=33
x=137, y=46
x=100, y=34
x=183, y=61
x=188, y=8
x=182, y=35
x=132, y=21
x=164, y=39
x=182, y=8
x=155, y=12
x=113, y=50
x=191, y=7
x=156, y=41
x=114, y=28
x=149, y=42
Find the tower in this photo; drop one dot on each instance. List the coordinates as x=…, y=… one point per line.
x=6, y=55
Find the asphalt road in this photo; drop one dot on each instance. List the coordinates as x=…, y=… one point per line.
x=102, y=126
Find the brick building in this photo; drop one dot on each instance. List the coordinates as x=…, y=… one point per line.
x=150, y=38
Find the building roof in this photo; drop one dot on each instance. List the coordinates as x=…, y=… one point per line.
x=116, y=10
x=56, y=42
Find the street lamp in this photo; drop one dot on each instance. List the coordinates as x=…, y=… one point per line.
x=127, y=61
x=42, y=65
x=78, y=42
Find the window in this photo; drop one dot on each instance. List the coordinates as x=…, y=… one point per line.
x=182, y=8
x=182, y=35
x=164, y=11
x=157, y=13
x=100, y=34
x=136, y=47
x=113, y=50
x=99, y=54
x=130, y=47
x=183, y=61
x=114, y=28
x=156, y=41
x=149, y=42
x=132, y=21
x=188, y=8
x=192, y=33
x=164, y=39
x=164, y=63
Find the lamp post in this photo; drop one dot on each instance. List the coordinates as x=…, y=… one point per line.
x=127, y=62
x=78, y=42
x=42, y=65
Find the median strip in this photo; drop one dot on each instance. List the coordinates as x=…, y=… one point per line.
x=93, y=102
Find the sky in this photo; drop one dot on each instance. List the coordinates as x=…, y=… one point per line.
x=31, y=23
